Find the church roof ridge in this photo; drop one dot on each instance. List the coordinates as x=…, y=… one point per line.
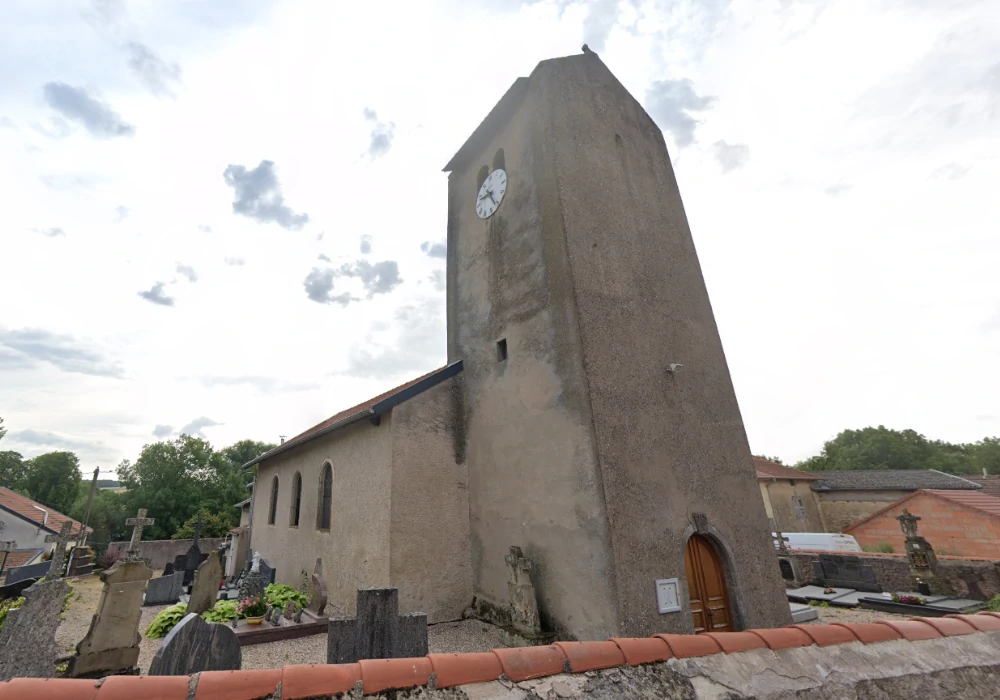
x=519, y=664
x=371, y=409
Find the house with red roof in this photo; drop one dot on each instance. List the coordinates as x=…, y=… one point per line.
x=28, y=522
x=958, y=522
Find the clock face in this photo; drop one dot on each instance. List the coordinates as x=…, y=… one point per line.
x=491, y=194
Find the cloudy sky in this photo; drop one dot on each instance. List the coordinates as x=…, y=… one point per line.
x=225, y=217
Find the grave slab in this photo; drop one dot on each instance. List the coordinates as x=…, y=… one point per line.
x=194, y=645
x=802, y=613
x=25, y=573
x=962, y=605
x=816, y=593
x=204, y=591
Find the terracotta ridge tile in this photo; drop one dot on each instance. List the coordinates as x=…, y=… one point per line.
x=734, y=642
x=783, y=638
x=394, y=674
x=643, y=650
x=525, y=663
x=684, y=646
x=591, y=656
x=461, y=669
x=912, y=630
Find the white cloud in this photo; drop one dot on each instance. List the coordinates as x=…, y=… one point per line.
x=820, y=299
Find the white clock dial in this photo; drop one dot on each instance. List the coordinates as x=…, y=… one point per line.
x=491, y=194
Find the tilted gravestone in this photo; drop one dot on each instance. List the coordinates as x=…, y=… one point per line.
x=194, y=645
x=28, y=638
x=205, y=589
x=378, y=631
x=112, y=642
x=164, y=590
x=317, y=591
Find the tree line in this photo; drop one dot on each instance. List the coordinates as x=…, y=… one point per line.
x=174, y=480
x=884, y=448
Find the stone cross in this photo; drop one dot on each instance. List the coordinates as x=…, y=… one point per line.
x=909, y=524
x=138, y=524
x=523, y=601
x=378, y=631
x=59, y=553
x=197, y=531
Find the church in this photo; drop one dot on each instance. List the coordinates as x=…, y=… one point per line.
x=586, y=413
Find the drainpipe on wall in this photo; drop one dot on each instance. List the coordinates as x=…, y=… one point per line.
x=45, y=518
x=253, y=493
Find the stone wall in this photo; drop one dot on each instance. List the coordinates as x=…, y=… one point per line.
x=978, y=579
x=159, y=552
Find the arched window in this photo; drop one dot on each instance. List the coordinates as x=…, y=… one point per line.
x=293, y=516
x=274, y=501
x=325, y=498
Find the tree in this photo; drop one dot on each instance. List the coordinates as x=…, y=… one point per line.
x=3, y=430
x=239, y=453
x=53, y=479
x=174, y=479
x=776, y=460
x=213, y=525
x=107, y=517
x=882, y=448
x=13, y=470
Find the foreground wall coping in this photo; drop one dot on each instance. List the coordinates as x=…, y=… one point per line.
x=883, y=555
x=514, y=665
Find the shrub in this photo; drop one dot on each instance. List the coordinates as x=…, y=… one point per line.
x=222, y=611
x=6, y=606
x=884, y=548
x=994, y=603
x=166, y=620
x=278, y=595
x=108, y=559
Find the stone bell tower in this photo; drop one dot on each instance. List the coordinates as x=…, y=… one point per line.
x=602, y=433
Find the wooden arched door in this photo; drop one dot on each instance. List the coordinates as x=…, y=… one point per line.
x=707, y=587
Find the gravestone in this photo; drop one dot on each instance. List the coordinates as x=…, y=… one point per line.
x=846, y=571
x=204, y=591
x=194, y=645
x=58, y=567
x=30, y=572
x=523, y=603
x=290, y=609
x=191, y=559
x=164, y=590
x=267, y=571
x=377, y=631
x=15, y=590
x=317, y=591
x=111, y=645
x=254, y=583
x=28, y=637
x=138, y=524
x=168, y=569
x=921, y=557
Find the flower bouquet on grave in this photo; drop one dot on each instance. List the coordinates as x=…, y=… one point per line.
x=908, y=599
x=252, y=609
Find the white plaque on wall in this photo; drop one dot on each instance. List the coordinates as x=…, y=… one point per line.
x=667, y=598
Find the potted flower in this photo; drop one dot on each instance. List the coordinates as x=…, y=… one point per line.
x=252, y=609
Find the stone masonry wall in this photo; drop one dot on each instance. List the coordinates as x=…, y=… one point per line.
x=159, y=552
x=978, y=579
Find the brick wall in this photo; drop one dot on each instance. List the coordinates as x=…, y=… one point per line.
x=952, y=529
x=978, y=579
x=841, y=509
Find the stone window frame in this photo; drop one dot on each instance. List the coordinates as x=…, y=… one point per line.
x=295, y=506
x=272, y=511
x=324, y=502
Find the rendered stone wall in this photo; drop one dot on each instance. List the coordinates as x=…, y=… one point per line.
x=159, y=552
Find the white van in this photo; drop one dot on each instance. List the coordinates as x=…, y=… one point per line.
x=821, y=541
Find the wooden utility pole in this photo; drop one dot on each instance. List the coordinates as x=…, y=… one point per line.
x=82, y=542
